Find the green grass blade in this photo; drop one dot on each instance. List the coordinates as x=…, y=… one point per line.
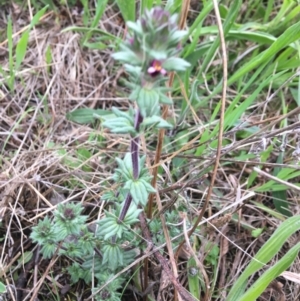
x=286, y=39
x=232, y=14
x=127, y=9
x=101, y=5
x=196, y=30
x=270, y=211
x=284, y=8
x=268, y=11
x=262, y=282
x=291, y=35
x=280, y=199
x=235, y=110
x=173, y=6
x=22, y=44
x=37, y=16
x=146, y=4
x=21, y=49
x=291, y=16
x=243, y=33
x=193, y=278
x=93, y=30
x=265, y=254
x=284, y=174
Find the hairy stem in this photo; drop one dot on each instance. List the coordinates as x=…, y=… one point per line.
x=134, y=145
x=125, y=208
x=134, y=150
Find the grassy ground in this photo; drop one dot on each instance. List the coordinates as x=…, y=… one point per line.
x=60, y=61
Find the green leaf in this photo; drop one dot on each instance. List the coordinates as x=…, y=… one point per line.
x=75, y=272
x=109, y=227
x=138, y=192
x=128, y=115
x=135, y=71
x=148, y=102
x=193, y=278
x=288, y=37
x=37, y=16
x=68, y=220
x=43, y=232
x=21, y=49
x=100, y=8
x=120, y=125
x=135, y=26
x=22, y=44
x=86, y=242
x=195, y=31
x=235, y=111
x=175, y=64
x=257, y=232
x=83, y=154
x=264, y=255
x=146, y=4
x=227, y=25
x=127, y=56
x=269, y=210
x=242, y=34
x=148, y=186
x=123, y=123
x=165, y=99
x=48, y=249
x=26, y=257
x=127, y=9
x=132, y=215
x=92, y=30
x=125, y=166
x=128, y=163
x=157, y=121
x=280, y=198
x=97, y=45
x=113, y=256
x=274, y=271
x=284, y=174
x=2, y=288
x=71, y=249
x=86, y=115
x=177, y=36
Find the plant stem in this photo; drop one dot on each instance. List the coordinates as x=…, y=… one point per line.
x=134, y=145
x=134, y=150
x=135, y=156
x=125, y=208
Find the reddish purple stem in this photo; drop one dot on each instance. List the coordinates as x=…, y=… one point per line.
x=125, y=208
x=134, y=150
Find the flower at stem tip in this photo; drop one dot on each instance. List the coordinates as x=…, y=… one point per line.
x=156, y=69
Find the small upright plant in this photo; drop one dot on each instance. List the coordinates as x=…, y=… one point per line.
x=149, y=53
